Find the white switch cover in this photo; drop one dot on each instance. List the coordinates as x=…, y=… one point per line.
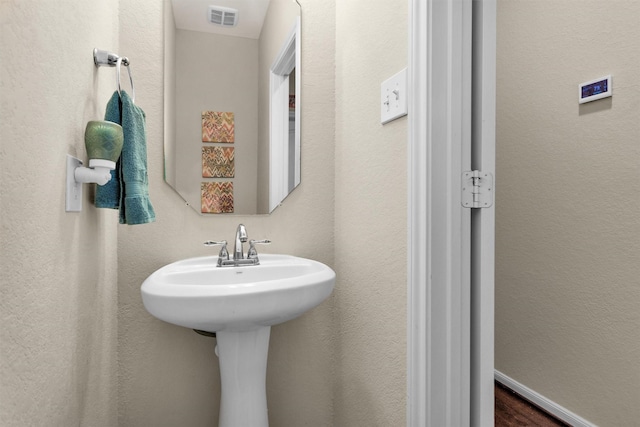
x=393, y=97
x=73, y=202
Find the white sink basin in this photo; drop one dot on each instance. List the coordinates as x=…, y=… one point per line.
x=197, y=294
x=239, y=304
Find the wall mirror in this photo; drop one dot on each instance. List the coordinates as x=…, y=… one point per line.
x=232, y=103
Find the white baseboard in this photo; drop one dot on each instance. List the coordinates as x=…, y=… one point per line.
x=541, y=401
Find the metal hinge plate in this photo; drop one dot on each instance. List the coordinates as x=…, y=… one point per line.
x=477, y=189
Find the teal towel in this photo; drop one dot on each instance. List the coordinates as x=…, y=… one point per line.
x=128, y=189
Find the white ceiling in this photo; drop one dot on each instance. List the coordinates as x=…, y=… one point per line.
x=192, y=15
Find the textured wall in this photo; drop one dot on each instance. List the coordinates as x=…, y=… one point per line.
x=169, y=114
x=168, y=375
x=57, y=270
x=568, y=231
x=370, y=240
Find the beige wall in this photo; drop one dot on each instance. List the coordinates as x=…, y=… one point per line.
x=169, y=95
x=370, y=232
x=216, y=73
x=567, y=292
x=341, y=364
x=568, y=230
x=344, y=362
x=168, y=375
x=58, y=270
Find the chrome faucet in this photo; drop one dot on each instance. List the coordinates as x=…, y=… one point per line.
x=241, y=237
x=238, y=250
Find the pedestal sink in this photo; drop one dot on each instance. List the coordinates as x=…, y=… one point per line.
x=239, y=304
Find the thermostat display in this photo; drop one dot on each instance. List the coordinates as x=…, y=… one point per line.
x=595, y=89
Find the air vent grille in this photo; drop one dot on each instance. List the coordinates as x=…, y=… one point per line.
x=224, y=16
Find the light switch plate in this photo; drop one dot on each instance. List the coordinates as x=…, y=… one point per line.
x=393, y=97
x=73, y=201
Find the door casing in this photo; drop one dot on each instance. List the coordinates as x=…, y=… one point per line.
x=450, y=249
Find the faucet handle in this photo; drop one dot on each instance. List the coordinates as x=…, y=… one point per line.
x=224, y=253
x=252, y=253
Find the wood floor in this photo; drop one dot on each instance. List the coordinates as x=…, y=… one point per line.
x=512, y=411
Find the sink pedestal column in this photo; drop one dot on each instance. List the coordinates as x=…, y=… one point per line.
x=243, y=372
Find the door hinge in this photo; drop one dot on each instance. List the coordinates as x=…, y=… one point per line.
x=477, y=189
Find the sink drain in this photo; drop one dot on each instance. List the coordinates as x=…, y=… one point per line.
x=205, y=333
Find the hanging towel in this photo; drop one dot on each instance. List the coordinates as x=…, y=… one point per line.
x=128, y=189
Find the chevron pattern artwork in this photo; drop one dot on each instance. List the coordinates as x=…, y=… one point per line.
x=218, y=126
x=217, y=197
x=217, y=162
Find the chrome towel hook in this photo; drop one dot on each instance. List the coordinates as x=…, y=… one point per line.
x=109, y=59
x=133, y=89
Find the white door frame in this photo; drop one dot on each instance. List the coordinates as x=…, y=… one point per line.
x=483, y=220
x=450, y=288
x=286, y=61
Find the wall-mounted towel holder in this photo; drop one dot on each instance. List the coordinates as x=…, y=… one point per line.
x=103, y=141
x=103, y=58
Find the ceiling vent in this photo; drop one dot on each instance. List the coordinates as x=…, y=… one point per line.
x=224, y=16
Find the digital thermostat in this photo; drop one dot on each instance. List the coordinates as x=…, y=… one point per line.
x=594, y=89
